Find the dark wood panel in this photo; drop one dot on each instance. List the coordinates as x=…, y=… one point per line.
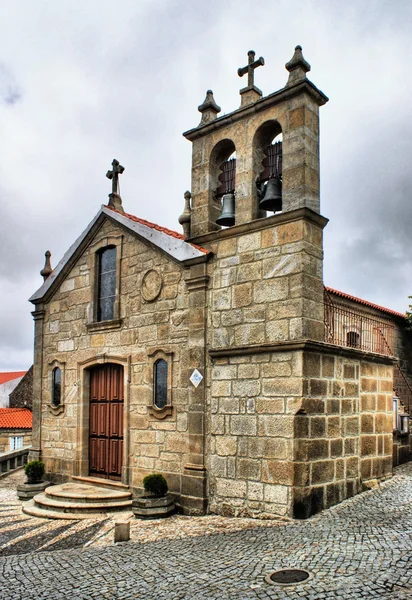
x=106, y=421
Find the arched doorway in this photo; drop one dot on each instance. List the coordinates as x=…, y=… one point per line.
x=106, y=421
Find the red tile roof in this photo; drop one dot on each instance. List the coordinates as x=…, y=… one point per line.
x=170, y=232
x=15, y=418
x=389, y=311
x=10, y=375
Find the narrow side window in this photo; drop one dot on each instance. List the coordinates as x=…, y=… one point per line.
x=56, y=386
x=106, y=284
x=160, y=383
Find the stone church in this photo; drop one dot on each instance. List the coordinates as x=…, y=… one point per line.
x=205, y=356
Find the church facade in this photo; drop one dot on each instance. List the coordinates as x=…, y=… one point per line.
x=204, y=356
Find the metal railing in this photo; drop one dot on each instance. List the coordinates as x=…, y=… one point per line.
x=346, y=327
x=15, y=459
x=402, y=388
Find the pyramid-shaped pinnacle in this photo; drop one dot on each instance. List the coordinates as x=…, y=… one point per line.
x=297, y=67
x=208, y=108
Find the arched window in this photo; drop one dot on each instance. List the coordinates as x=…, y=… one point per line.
x=160, y=383
x=106, y=284
x=222, y=165
x=56, y=386
x=267, y=167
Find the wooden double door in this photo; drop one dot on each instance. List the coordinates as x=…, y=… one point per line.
x=106, y=421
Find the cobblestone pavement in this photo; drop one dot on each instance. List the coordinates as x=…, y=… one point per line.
x=361, y=548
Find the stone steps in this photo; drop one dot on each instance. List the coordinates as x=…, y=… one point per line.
x=100, y=482
x=76, y=501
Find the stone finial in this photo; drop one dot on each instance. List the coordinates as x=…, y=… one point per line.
x=209, y=108
x=47, y=269
x=115, y=201
x=297, y=67
x=185, y=217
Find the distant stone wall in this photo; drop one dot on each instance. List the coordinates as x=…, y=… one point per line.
x=6, y=434
x=22, y=395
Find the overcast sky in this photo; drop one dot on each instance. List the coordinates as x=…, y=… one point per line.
x=84, y=82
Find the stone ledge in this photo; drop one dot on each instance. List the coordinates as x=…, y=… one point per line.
x=282, y=95
x=260, y=224
x=304, y=345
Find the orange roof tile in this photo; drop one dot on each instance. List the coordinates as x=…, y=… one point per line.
x=10, y=375
x=170, y=232
x=15, y=418
x=365, y=302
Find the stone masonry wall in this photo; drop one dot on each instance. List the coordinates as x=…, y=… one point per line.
x=343, y=431
x=154, y=445
x=253, y=400
x=266, y=286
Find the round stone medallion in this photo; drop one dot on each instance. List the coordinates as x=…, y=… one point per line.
x=152, y=284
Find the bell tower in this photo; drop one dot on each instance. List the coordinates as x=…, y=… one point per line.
x=291, y=166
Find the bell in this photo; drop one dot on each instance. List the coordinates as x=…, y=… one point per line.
x=272, y=200
x=227, y=216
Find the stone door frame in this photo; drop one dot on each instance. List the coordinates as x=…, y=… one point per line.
x=81, y=467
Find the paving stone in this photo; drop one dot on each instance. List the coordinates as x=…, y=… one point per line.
x=358, y=549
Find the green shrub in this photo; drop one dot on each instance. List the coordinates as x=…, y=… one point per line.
x=34, y=471
x=155, y=484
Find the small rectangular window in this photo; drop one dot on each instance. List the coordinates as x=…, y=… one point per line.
x=16, y=442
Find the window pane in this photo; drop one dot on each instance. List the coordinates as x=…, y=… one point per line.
x=106, y=309
x=106, y=285
x=56, y=386
x=160, y=378
x=19, y=442
x=108, y=260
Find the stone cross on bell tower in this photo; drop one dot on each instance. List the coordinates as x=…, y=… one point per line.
x=115, y=200
x=251, y=93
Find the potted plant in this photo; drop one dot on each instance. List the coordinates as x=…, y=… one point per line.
x=34, y=471
x=156, y=502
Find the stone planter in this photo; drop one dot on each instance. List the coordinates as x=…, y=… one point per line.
x=149, y=507
x=26, y=491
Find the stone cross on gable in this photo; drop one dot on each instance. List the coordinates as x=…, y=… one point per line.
x=250, y=68
x=114, y=175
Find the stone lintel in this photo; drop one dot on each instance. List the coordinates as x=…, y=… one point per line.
x=261, y=224
x=306, y=346
x=282, y=95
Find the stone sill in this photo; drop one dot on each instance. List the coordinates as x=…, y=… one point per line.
x=161, y=413
x=56, y=410
x=104, y=325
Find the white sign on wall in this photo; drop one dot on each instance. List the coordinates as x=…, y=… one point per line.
x=196, y=378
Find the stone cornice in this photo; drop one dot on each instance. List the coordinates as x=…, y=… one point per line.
x=280, y=96
x=261, y=224
x=303, y=345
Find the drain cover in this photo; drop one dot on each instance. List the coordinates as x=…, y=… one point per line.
x=288, y=576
